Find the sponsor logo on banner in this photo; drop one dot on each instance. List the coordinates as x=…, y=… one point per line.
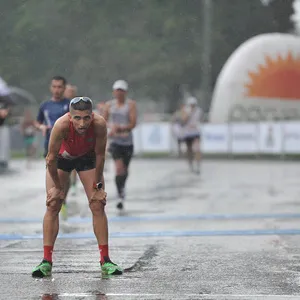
x=270, y=138
x=209, y=136
x=215, y=138
x=291, y=137
x=156, y=137
x=244, y=138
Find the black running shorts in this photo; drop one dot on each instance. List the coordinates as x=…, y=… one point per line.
x=121, y=152
x=81, y=163
x=189, y=140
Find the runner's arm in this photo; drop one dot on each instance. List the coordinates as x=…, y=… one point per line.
x=100, y=149
x=106, y=112
x=40, y=118
x=132, y=118
x=56, y=138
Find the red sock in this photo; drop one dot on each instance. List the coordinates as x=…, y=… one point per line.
x=103, y=253
x=48, y=253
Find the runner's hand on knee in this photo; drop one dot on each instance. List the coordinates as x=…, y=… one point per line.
x=98, y=196
x=54, y=194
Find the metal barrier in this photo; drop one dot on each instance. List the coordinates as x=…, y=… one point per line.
x=239, y=138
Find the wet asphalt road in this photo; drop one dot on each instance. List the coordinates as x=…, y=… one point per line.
x=231, y=233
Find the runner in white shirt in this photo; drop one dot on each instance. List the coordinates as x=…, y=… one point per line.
x=192, y=133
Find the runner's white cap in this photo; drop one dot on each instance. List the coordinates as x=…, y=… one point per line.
x=120, y=85
x=192, y=101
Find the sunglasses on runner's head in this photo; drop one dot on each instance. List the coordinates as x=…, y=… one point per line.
x=78, y=99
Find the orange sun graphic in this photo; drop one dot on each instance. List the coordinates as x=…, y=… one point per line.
x=277, y=78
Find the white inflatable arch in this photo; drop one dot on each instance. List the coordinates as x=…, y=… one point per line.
x=259, y=81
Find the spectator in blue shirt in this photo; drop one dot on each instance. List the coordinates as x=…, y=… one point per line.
x=52, y=109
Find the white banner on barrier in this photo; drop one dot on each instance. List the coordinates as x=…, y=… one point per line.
x=137, y=140
x=233, y=138
x=215, y=138
x=156, y=137
x=291, y=137
x=270, y=138
x=244, y=138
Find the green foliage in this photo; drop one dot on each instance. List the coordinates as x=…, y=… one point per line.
x=156, y=45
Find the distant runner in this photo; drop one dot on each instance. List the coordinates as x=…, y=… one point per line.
x=177, y=126
x=121, y=115
x=50, y=111
x=192, y=134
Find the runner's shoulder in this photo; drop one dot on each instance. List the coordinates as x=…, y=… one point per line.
x=99, y=120
x=108, y=103
x=49, y=102
x=131, y=102
x=66, y=101
x=45, y=103
x=63, y=122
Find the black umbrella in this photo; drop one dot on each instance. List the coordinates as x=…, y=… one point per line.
x=6, y=100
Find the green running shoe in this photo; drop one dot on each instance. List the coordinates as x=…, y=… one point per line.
x=44, y=269
x=109, y=268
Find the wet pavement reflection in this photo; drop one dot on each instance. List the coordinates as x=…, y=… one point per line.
x=231, y=233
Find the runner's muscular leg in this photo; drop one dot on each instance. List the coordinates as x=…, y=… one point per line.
x=126, y=159
x=73, y=177
x=190, y=155
x=120, y=167
x=51, y=219
x=97, y=208
x=67, y=187
x=120, y=173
